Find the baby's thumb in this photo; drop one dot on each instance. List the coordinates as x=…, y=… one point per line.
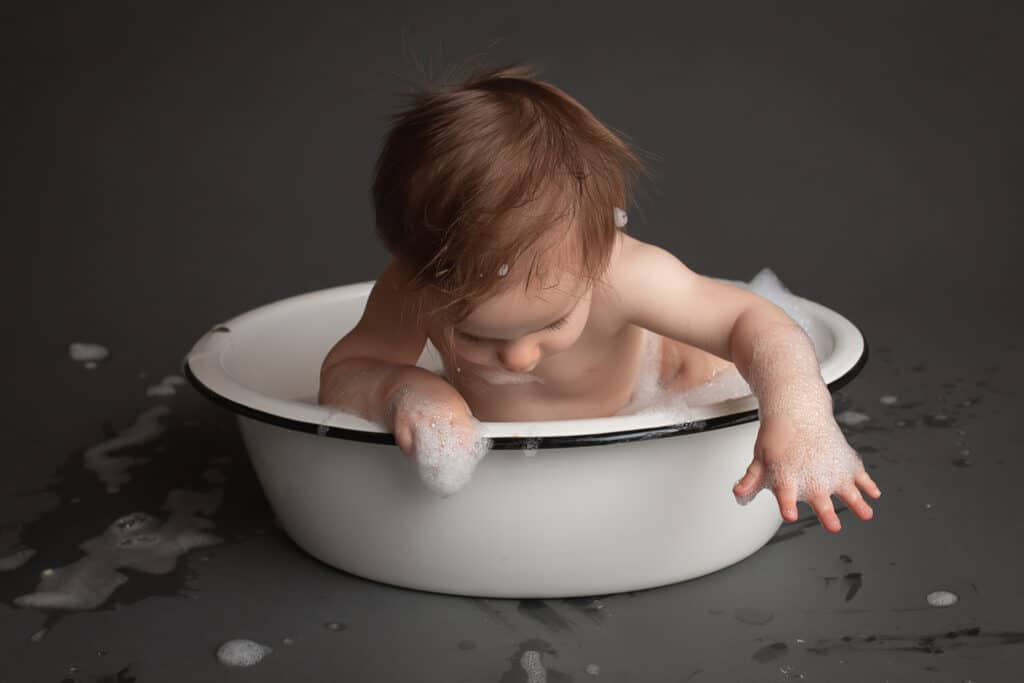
x=750, y=484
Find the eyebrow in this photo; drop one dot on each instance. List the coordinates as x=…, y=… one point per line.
x=560, y=319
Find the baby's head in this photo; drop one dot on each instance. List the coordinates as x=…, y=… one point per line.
x=498, y=195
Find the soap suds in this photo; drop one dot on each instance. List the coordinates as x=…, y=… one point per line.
x=86, y=352
x=166, y=386
x=621, y=218
x=136, y=541
x=112, y=471
x=851, y=418
x=13, y=560
x=242, y=652
x=495, y=376
x=535, y=671
x=446, y=456
x=942, y=599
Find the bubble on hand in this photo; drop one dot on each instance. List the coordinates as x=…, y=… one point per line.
x=447, y=448
x=819, y=461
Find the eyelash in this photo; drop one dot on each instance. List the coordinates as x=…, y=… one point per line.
x=553, y=326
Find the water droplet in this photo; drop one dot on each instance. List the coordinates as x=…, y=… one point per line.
x=937, y=420
x=335, y=626
x=593, y=669
x=72, y=670
x=889, y=400
x=851, y=418
x=287, y=641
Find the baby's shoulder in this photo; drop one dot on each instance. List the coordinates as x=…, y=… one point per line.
x=630, y=263
x=628, y=259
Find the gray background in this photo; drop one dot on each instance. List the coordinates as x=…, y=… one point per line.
x=170, y=167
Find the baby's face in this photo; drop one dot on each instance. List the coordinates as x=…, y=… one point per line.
x=507, y=336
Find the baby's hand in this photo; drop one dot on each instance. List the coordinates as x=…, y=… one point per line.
x=435, y=428
x=805, y=461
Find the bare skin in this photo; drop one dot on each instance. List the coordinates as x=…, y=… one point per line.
x=563, y=350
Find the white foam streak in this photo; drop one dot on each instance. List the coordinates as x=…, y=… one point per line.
x=113, y=471
x=136, y=541
x=82, y=352
x=492, y=376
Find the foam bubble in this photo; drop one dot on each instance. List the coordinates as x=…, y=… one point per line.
x=535, y=671
x=13, y=560
x=531, y=447
x=593, y=669
x=446, y=454
x=113, y=471
x=889, y=400
x=242, y=652
x=495, y=376
x=724, y=385
x=621, y=218
x=851, y=418
x=136, y=541
x=768, y=285
x=166, y=387
x=942, y=598
x=83, y=351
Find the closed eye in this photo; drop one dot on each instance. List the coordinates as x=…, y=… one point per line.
x=558, y=324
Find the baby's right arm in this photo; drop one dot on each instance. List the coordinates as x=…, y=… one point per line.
x=371, y=372
x=364, y=369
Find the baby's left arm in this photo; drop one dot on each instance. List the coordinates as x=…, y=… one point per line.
x=800, y=452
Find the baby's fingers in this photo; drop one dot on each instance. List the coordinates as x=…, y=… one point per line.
x=786, y=495
x=851, y=496
x=822, y=505
x=751, y=480
x=865, y=481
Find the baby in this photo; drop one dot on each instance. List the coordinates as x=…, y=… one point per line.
x=500, y=201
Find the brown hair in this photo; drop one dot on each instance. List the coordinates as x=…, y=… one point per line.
x=475, y=174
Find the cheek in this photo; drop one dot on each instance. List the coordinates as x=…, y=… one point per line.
x=470, y=351
x=563, y=341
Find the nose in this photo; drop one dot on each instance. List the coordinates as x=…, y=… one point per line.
x=519, y=357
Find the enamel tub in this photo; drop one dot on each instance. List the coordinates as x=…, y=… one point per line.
x=559, y=508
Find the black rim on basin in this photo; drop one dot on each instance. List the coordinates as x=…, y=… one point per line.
x=514, y=442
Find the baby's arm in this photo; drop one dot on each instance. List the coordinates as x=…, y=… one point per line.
x=800, y=451
x=371, y=372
